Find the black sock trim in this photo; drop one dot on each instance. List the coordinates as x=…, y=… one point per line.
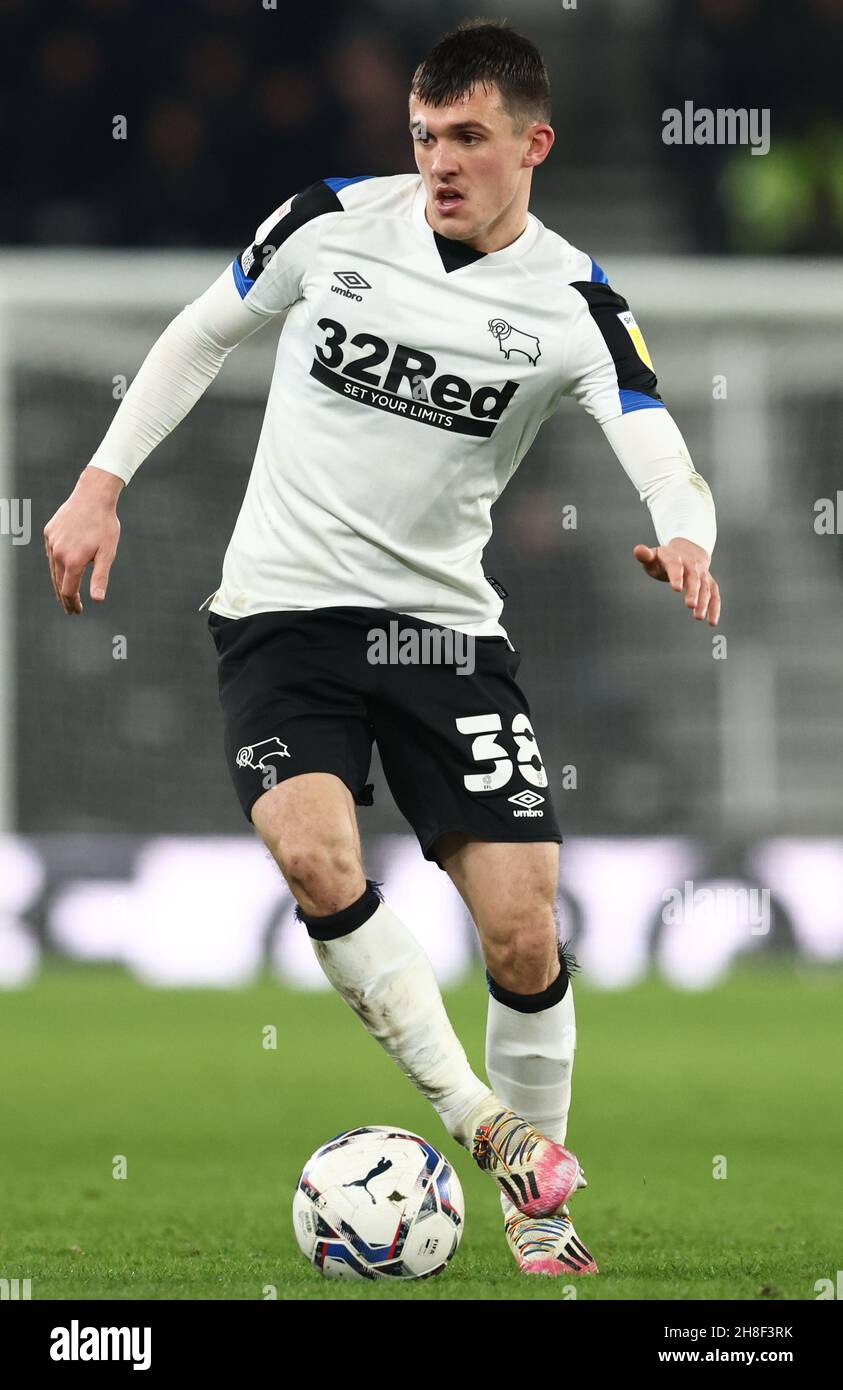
x=348, y=919
x=547, y=998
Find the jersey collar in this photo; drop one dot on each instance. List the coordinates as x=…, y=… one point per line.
x=454, y=254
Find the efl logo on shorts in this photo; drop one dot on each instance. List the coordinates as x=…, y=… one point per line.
x=253, y=755
x=526, y=802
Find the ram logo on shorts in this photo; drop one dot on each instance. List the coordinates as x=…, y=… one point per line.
x=513, y=340
x=253, y=755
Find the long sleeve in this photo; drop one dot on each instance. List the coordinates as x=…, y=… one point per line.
x=179, y=367
x=653, y=453
x=611, y=374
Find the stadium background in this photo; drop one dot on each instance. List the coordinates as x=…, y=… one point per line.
x=121, y=843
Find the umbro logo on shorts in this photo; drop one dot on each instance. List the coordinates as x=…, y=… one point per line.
x=253, y=755
x=351, y=280
x=527, y=803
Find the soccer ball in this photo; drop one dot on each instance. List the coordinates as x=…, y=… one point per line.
x=376, y=1203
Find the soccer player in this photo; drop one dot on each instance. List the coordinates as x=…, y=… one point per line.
x=432, y=324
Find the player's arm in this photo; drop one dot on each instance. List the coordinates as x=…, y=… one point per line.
x=262, y=282
x=653, y=453
x=612, y=376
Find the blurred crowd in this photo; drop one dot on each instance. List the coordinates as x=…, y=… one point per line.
x=785, y=55
x=230, y=105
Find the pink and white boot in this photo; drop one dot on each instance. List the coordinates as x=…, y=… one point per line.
x=534, y=1173
x=547, y=1244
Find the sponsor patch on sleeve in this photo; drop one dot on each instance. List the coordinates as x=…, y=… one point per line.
x=627, y=318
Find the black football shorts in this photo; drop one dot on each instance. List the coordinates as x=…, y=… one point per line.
x=310, y=691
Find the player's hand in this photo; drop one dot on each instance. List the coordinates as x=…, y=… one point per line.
x=684, y=566
x=85, y=530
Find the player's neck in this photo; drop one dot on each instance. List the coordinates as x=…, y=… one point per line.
x=511, y=222
x=497, y=238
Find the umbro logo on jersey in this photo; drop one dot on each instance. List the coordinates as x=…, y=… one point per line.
x=354, y=368
x=527, y=803
x=513, y=340
x=350, y=280
x=253, y=755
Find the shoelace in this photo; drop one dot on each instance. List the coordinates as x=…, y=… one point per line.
x=516, y=1145
x=527, y=1234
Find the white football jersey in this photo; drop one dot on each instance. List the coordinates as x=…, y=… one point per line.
x=411, y=377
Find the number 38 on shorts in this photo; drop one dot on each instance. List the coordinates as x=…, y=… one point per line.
x=485, y=748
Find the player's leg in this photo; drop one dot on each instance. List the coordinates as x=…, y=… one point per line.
x=460, y=756
x=298, y=736
x=510, y=890
x=309, y=825
x=298, y=745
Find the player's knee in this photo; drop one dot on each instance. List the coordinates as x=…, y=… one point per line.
x=523, y=970
x=323, y=878
x=522, y=956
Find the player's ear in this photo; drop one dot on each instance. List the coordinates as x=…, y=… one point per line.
x=542, y=137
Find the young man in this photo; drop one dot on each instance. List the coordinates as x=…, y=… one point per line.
x=432, y=325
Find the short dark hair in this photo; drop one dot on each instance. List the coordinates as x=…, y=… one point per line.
x=482, y=52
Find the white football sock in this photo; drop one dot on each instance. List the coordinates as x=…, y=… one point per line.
x=384, y=975
x=530, y=1060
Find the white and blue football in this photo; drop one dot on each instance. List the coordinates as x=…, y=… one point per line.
x=378, y=1203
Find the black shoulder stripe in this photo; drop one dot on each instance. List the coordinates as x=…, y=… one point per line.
x=605, y=306
x=311, y=202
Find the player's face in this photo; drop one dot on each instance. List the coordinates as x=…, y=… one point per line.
x=476, y=167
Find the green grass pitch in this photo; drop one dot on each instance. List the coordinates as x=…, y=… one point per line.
x=215, y=1128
